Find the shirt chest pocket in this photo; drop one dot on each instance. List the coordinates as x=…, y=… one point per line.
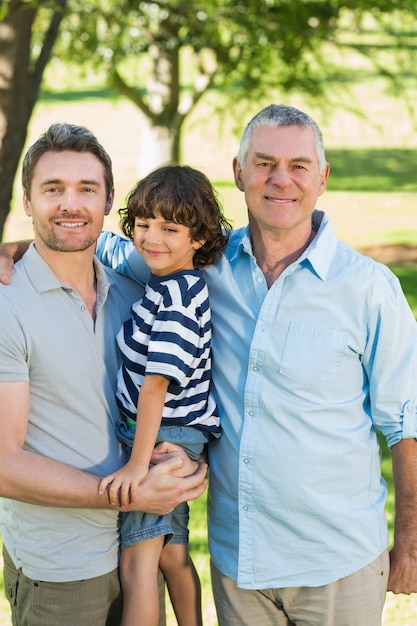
x=312, y=354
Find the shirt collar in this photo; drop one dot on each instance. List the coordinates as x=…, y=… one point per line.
x=43, y=279
x=318, y=254
x=321, y=251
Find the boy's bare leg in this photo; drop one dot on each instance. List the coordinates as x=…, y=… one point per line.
x=183, y=584
x=139, y=579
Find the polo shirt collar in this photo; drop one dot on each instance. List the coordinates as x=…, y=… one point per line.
x=43, y=279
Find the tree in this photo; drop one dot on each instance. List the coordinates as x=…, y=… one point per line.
x=164, y=55
x=182, y=50
x=22, y=64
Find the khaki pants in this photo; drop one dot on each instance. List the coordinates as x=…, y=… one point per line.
x=356, y=600
x=34, y=603
x=92, y=602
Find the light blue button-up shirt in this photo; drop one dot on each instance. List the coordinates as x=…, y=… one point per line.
x=303, y=373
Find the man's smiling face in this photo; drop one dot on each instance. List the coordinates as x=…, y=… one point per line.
x=281, y=177
x=67, y=200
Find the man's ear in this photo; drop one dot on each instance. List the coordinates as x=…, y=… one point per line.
x=109, y=202
x=324, y=176
x=237, y=172
x=27, y=205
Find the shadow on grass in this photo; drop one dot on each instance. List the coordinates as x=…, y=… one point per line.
x=372, y=169
x=103, y=93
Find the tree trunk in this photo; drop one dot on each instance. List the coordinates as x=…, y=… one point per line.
x=20, y=80
x=160, y=139
x=155, y=148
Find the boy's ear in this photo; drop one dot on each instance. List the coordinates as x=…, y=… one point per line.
x=198, y=244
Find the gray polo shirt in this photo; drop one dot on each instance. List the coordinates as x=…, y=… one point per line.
x=48, y=337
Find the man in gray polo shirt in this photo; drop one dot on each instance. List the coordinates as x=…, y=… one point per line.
x=58, y=366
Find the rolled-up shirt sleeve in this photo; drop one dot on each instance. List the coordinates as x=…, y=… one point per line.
x=390, y=361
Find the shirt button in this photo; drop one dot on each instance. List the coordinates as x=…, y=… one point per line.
x=251, y=413
x=245, y=507
x=260, y=279
x=255, y=369
x=83, y=308
x=246, y=460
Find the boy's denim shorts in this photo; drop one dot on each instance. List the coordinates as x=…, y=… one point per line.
x=137, y=526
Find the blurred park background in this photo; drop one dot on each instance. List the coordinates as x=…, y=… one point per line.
x=174, y=81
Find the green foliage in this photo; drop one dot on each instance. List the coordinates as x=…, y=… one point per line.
x=237, y=44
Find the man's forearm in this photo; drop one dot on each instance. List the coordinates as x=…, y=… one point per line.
x=403, y=574
x=404, y=461
x=42, y=481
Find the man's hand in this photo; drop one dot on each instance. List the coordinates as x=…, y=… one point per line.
x=6, y=264
x=163, y=488
x=166, y=450
x=9, y=253
x=403, y=571
x=123, y=485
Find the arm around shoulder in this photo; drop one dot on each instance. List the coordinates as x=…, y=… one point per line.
x=10, y=253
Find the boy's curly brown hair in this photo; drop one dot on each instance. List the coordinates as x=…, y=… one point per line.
x=180, y=194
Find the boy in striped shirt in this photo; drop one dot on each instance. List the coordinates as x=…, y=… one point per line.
x=176, y=224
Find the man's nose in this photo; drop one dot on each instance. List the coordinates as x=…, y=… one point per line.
x=280, y=176
x=70, y=201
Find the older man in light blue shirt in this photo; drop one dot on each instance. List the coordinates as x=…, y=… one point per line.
x=314, y=349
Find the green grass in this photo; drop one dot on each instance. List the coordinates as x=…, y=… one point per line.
x=408, y=278
x=373, y=169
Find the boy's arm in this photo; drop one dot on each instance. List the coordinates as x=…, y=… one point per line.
x=149, y=415
x=10, y=253
x=123, y=484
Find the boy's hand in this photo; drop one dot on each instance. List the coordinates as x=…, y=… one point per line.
x=123, y=485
